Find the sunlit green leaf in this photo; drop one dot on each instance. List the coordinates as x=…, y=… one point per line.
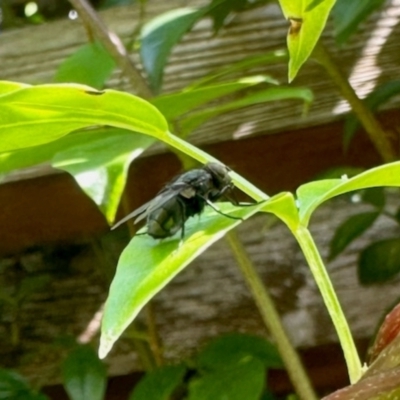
x=97, y=158
x=159, y=384
x=284, y=207
x=7, y=86
x=312, y=194
x=245, y=379
x=176, y=104
x=160, y=35
x=193, y=120
x=243, y=65
x=40, y=114
x=380, y=95
x=84, y=375
x=91, y=65
x=307, y=20
x=147, y=265
x=349, y=230
x=228, y=349
x=349, y=13
x=101, y=166
x=379, y=262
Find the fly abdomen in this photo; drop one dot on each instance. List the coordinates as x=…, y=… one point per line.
x=166, y=220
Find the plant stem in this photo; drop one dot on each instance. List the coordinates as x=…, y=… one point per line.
x=272, y=320
x=114, y=46
x=332, y=304
x=371, y=125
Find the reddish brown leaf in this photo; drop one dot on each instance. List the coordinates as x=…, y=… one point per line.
x=387, y=332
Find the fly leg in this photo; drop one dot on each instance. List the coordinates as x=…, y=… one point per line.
x=211, y=204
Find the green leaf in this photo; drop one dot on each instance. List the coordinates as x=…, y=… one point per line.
x=347, y=15
x=243, y=65
x=84, y=375
x=284, y=207
x=159, y=384
x=100, y=166
x=14, y=387
x=380, y=95
x=312, y=194
x=379, y=262
x=160, y=35
x=245, y=379
x=192, y=121
x=7, y=87
x=349, y=230
x=91, y=65
x=307, y=21
x=175, y=104
x=40, y=114
x=147, y=265
x=226, y=350
x=374, y=196
x=98, y=159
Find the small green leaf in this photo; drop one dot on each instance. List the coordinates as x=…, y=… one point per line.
x=90, y=65
x=245, y=379
x=175, y=104
x=84, y=375
x=312, y=194
x=380, y=95
x=379, y=262
x=39, y=114
x=349, y=230
x=347, y=15
x=193, y=120
x=159, y=384
x=374, y=196
x=225, y=350
x=307, y=21
x=100, y=166
x=243, y=65
x=160, y=35
x=146, y=265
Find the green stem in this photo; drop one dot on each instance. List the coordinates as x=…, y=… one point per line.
x=371, y=125
x=203, y=157
x=332, y=304
x=272, y=320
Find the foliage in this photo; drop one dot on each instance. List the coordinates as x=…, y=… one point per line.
x=232, y=366
x=95, y=134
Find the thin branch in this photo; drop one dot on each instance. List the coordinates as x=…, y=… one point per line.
x=114, y=46
x=272, y=320
x=374, y=130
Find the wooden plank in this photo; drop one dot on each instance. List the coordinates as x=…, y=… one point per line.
x=32, y=54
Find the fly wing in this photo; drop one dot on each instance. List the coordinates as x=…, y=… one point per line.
x=163, y=197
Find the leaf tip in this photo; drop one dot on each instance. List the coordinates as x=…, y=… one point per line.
x=106, y=344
